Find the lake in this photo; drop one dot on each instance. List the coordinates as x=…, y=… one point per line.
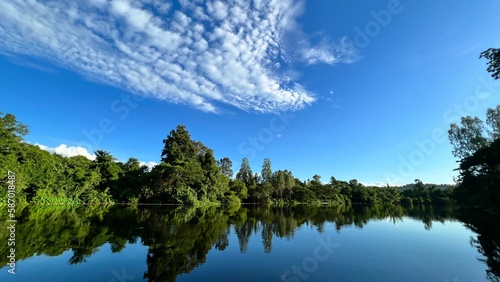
x=251, y=243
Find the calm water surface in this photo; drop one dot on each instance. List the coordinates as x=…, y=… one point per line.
x=252, y=243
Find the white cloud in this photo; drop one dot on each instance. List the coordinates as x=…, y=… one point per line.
x=217, y=9
x=376, y=184
x=150, y=165
x=342, y=51
x=70, y=151
x=204, y=54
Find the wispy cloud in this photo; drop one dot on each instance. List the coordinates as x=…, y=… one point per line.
x=199, y=53
x=342, y=51
x=24, y=63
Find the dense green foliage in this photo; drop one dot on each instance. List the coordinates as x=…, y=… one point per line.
x=493, y=57
x=423, y=194
x=477, y=145
x=479, y=179
x=188, y=174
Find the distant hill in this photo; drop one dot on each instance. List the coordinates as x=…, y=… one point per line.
x=428, y=185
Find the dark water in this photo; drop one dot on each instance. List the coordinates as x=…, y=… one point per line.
x=252, y=244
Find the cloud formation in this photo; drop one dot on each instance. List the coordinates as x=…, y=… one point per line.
x=150, y=165
x=66, y=151
x=72, y=151
x=193, y=52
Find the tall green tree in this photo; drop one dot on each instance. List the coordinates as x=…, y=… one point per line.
x=278, y=181
x=479, y=179
x=79, y=176
x=11, y=152
x=226, y=166
x=133, y=181
x=316, y=180
x=266, y=173
x=289, y=184
x=333, y=181
x=468, y=137
x=493, y=122
x=245, y=173
x=216, y=183
x=109, y=169
x=42, y=173
x=178, y=147
x=11, y=133
x=180, y=177
x=188, y=172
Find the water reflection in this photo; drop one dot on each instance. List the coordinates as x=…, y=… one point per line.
x=487, y=241
x=179, y=239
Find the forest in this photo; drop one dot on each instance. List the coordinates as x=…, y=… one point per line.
x=189, y=174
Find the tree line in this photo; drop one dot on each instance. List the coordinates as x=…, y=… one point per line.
x=188, y=174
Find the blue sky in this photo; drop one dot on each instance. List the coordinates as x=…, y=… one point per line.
x=362, y=90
